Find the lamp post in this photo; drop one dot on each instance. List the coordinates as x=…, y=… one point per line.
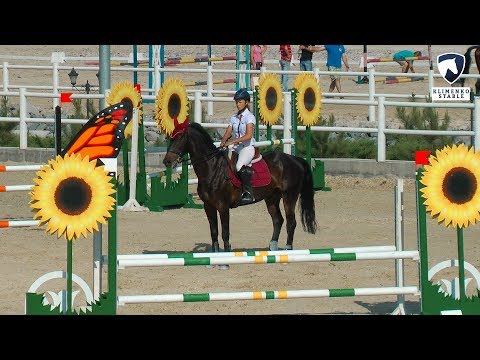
x=73, y=80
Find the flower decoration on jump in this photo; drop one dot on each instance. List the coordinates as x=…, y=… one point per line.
x=452, y=185
x=72, y=195
x=270, y=98
x=309, y=98
x=171, y=106
x=126, y=90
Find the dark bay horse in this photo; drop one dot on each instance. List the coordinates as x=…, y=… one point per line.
x=468, y=61
x=291, y=179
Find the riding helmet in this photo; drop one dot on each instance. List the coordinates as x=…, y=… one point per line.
x=242, y=94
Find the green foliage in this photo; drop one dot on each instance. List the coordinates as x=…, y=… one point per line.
x=403, y=147
x=7, y=138
x=342, y=146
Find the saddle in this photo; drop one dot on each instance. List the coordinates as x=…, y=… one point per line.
x=261, y=173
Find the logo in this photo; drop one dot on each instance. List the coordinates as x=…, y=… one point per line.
x=451, y=66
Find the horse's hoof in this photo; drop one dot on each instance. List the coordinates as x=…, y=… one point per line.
x=224, y=267
x=288, y=247
x=209, y=266
x=273, y=245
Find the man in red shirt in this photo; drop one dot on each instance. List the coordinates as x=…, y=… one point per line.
x=285, y=60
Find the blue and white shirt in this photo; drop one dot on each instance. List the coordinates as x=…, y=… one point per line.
x=239, y=128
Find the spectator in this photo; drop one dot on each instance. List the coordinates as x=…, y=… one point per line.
x=306, y=53
x=335, y=55
x=285, y=60
x=257, y=52
x=406, y=65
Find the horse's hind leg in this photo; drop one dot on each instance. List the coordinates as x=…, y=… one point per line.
x=273, y=207
x=289, y=205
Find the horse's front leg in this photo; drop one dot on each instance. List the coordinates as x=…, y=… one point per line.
x=213, y=221
x=225, y=221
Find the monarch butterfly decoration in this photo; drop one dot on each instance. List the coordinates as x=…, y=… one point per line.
x=103, y=134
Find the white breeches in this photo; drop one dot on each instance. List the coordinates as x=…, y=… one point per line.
x=245, y=156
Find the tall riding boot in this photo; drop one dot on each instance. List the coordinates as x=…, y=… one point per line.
x=245, y=174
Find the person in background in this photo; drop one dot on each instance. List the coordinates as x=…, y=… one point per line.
x=257, y=53
x=242, y=126
x=305, y=57
x=335, y=55
x=406, y=65
x=285, y=60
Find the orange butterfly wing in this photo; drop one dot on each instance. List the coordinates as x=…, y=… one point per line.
x=103, y=134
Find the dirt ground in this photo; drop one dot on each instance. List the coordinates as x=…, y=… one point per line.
x=357, y=212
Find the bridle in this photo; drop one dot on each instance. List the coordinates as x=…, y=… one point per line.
x=198, y=161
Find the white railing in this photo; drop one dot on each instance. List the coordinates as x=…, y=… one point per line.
x=376, y=102
x=209, y=71
x=379, y=104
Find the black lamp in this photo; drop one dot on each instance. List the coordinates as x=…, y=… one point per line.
x=73, y=76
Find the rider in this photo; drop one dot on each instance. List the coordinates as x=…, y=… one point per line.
x=242, y=127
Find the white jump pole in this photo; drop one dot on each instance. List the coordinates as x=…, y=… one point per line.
x=399, y=241
x=132, y=203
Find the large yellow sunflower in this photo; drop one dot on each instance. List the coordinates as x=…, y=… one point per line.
x=309, y=98
x=71, y=195
x=126, y=90
x=270, y=99
x=171, y=103
x=452, y=185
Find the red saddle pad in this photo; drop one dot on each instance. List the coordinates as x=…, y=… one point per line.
x=261, y=175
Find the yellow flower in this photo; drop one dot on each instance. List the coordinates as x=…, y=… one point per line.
x=71, y=195
x=171, y=102
x=126, y=91
x=452, y=185
x=270, y=98
x=309, y=98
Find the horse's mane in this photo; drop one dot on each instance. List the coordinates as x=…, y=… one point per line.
x=204, y=134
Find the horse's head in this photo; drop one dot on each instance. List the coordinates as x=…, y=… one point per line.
x=177, y=147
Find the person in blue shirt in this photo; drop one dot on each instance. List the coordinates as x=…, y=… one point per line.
x=406, y=65
x=335, y=56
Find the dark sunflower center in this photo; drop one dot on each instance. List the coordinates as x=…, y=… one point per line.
x=174, y=106
x=73, y=196
x=309, y=99
x=271, y=98
x=459, y=185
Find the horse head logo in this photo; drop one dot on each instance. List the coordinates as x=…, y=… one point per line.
x=451, y=66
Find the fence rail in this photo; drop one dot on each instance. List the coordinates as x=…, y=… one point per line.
x=376, y=103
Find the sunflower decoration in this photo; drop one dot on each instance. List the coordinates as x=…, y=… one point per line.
x=72, y=194
x=309, y=98
x=126, y=91
x=171, y=105
x=270, y=99
x=452, y=185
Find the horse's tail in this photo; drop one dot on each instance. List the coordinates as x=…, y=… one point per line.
x=307, y=202
x=468, y=62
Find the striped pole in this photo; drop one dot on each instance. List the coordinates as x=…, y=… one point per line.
x=402, y=80
x=265, y=295
x=223, y=81
x=18, y=223
x=6, y=168
x=404, y=58
x=269, y=259
x=259, y=253
x=189, y=60
x=6, y=188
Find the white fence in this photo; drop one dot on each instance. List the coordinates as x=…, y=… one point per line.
x=376, y=102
